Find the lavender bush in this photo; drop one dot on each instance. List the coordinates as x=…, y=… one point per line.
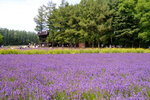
x=75, y=77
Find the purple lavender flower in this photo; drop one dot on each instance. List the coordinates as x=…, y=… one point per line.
x=75, y=76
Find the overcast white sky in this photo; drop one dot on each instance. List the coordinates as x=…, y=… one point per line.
x=19, y=14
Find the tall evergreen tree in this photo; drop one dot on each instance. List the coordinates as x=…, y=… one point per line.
x=125, y=25
x=40, y=19
x=143, y=15
x=1, y=39
x=63, y=3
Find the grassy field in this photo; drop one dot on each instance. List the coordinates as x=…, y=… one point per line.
x=73, y=51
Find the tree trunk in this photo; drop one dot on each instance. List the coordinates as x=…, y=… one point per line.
x=52, y=44
x=62, y=45
x=111, y=40
x=93, y=44
x=75, y=46
x=71, y=45
x=139, y=44
x=132, y=45
x=98, y=44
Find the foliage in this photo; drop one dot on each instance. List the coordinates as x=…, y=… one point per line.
x=41, y=19
x=15, y=37
x=100, y=23
x=73, y=51
x=1, y=39
x=143, y=15
x=75, y=23
x=124, y=23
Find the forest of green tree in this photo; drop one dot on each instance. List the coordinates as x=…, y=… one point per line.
x=97, y=23
x=15, y=37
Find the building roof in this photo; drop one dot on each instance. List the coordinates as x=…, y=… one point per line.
x=43, y=33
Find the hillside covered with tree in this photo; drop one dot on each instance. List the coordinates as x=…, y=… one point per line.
x=15, y=37
x=97, y=23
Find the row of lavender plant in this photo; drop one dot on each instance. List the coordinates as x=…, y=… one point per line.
x=75, y=77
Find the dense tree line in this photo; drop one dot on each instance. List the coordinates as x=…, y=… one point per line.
x=97, y=23
x=15, y=37
x=1, y=39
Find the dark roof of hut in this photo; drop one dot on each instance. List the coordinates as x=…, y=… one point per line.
x=43, y=33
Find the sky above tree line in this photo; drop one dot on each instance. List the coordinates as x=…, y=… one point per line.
x=19, y=14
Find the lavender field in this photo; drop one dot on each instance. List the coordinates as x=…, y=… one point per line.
x=117, y=76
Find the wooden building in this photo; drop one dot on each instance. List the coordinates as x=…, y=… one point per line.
x=42, y=36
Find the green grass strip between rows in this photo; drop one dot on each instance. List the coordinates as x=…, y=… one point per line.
x=74, y=51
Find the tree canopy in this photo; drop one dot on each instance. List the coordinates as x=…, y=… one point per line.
x=99, y=23
x=1, y=39
x=15, y=37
